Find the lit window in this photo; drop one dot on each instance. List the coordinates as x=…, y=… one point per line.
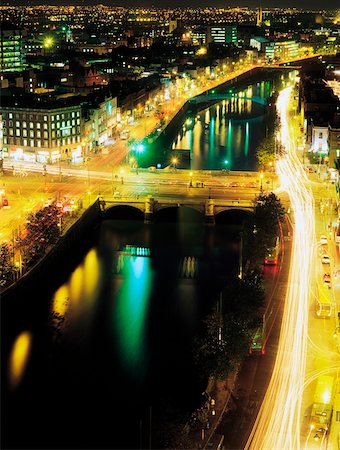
x=10, y=115
x=31, y=142
x=45, y=126
x=57, y=116
x=24, y=133
x=38, y=134
x=25, y=142
x=45, y=134
x=52, y=126
x=31, y=124
x=73, y=122
x=11, y=131
x=38, y=143
x=45, y=118
x=38, y=125
x=46, y=143
x=31, y=133
x=72, y=114
x=17, y=123
x=52, y=118
x=17, y=132
x=24, y=124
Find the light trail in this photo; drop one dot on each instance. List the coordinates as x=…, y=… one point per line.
x=277, y=426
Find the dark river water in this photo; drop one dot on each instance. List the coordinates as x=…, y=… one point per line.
x=95, y=359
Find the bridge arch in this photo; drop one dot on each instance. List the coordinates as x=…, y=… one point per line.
x=123, y=212
x=178, y=213
x=234, y=216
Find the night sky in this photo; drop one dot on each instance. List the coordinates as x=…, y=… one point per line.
x=310, y=4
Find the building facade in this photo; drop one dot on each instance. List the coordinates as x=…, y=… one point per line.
x=222, y=34
x=11, y=48
x=42, y=135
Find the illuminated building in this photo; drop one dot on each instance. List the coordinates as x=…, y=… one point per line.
x=285, y=50
x=44, y=132
x=224, y=34
x=11, y=48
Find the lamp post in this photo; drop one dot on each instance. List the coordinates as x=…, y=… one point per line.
x=174, y=162
x=261, y=185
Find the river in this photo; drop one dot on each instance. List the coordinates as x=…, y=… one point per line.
x=99, y=356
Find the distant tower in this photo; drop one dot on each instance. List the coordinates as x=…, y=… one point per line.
x=259, y=17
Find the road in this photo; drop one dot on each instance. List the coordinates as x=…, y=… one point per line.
x=306, y=347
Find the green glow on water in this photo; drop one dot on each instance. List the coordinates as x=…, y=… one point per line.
x=229, y=142
x=246, y=140
x=131, y=313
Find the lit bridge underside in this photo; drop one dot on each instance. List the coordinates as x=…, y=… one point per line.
x=277, y=426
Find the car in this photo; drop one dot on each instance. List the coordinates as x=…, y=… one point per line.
x=337, y=337
x=323, y=239
x=327, y=278
x=325, y=259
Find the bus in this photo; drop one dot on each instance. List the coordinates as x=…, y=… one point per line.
x=258, y=341
x=321, y=413
x=323, y=302
x=272, y=252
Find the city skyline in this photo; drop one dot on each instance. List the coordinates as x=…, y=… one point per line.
x=304, y=4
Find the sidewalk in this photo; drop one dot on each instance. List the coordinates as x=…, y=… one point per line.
x=218, y=395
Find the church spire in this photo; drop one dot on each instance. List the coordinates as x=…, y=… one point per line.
x=259, y=16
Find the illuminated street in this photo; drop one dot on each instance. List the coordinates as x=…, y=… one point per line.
x=306, y=348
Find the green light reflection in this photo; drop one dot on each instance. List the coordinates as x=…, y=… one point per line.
x=246, y=140
x=130, y=313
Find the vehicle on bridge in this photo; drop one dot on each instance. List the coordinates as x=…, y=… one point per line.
x=321, y=413
x=272, y=252
x=324, y=302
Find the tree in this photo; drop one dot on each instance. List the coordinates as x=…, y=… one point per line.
x=266, y=152
x=260, y=229
x=225, y=338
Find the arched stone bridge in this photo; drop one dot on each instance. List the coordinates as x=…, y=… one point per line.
x=150, y=205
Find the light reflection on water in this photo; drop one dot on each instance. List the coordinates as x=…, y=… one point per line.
x=130, y=306
x=229, y=131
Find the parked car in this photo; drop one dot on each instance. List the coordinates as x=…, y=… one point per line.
x=327, y=278
x=323, y=239
x=325, y=259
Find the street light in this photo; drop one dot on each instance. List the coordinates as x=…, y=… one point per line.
x=174, y=162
